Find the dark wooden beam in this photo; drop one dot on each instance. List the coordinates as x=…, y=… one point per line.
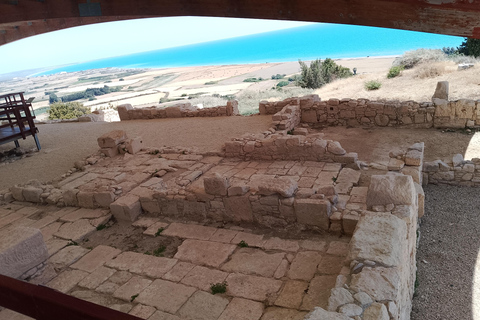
x=22, y=18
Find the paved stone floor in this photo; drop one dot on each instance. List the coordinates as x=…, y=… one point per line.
x=266, y=277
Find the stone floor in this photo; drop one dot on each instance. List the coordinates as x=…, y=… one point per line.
x=266, y=277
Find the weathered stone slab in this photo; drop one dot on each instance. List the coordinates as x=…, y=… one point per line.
x=111, y=139
x=254, y=261
x=154, y=228
x=348, y=175
x=203, y=306
x=84, y=213
x=66, y=256
x=67, y=280
x=377, y=311
x=189, y=231
x=96, y=258
x=292, y=294
x=379, y=237
x=313, y=212
x=304, y=265
x=330, y=264
x=318, y=292
x=391, y=189
x=380, y=283
x=252, y=240
x=126, y=208
x=21, y=249
x=202, y=278
x=133, y=287
x=238, y=208
x=142, y=264
x=339, y=297
x=322, y=314
x=215, y=184
x=223, y=235
x=284, y=186
x=252, y=287
x=208, y=253
x=242, y=309
x=76, y=231
x=275, y=313
x=276, y=243
x=166, y=296
x=96, y=278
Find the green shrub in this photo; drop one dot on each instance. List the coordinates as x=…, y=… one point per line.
x=278, y=76
x=394, y=72
x=320, y=73
x=220, y=287
x=253, y=79
x=373, y=85
x=69, y=110
x=412, y=58
x=282, y=84
x=211, y=82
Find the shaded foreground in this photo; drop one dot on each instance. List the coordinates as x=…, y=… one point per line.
x=448, y=273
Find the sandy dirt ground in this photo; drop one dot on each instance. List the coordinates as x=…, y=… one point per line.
x=65, y=143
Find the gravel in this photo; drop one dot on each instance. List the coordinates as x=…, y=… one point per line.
x=448, y=255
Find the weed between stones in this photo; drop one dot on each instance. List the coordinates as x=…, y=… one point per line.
x=220, y=287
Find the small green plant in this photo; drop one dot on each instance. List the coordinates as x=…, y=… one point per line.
x=290, y=131
x=334, y=179
x=159, y=251
x=243, y=244
x=253, y=79
x=394, y=72
x=159, y=231
x=154, y=152
x=148, y=253
x=132, y=298
x=282, y=84
x=72, y=243
x=101, y=227
x=89, y=248
x=220, y=287
x=211, y=82
x=373, y=85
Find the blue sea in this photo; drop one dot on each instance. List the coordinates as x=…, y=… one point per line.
x=305, y=43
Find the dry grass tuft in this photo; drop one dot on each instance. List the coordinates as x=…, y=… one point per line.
x=429, y=70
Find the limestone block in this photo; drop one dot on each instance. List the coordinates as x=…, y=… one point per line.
x=442, y=108
x=238, y=208
x=379, y=237
x=431, y=166
x=85, y=199
x=32, y=194
x=110, y=152
x=339, y=297
x=284, y=186
x=391, y=189
x=17, y=193
x=421, y=199
x=112, y=139
x=379, y=283
x=441, y=92
x=457, y=160
x=351, y=310
x=123, y=111
x=348, y=175
x=238, y=190
x=70, y=197
x=216, y=184
x=465, y=109
x=173, y=112
x=104, y=199
x=126, y=208
x=414, y=158
x=335, y=148
x=134, y=145
x=377, y=311
x=21, y=249
x=232, y=108
x=321, y=314
x=76, y=231
x=349, y=223
x=313, y=212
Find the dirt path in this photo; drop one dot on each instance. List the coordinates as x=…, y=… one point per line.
x=63, y=144
x=448, y=257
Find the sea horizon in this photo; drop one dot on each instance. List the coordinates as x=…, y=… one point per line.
x=318, y=41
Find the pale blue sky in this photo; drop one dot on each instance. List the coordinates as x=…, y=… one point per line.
x=110, y=39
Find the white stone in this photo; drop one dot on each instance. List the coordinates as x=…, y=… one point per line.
x=376, y=311
x=387, y=189
x=339, y=297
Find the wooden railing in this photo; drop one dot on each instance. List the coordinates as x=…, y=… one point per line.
x=43, y=303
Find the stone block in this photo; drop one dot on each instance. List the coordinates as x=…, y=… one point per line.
x=67, y=280
x=85, y=199
x=134, y=146
x=173, y=112
x=421, y=199
x=123, y=111
x=304, y=265
x=379, y=237
x=203, y=306
x=380, y=283
x=207, y=253
x=254, y=261
x=284, y=186
x=238, y=190
x=377, y=311
x=133, y=287
x=112, y=139
x=76, y=231
x=189, y=231
x=21, y=249
x=395, y=164
x=66, y=256
x=126, y=208
x=441, y=91
x=313, y=212
x=242, y=309
x=203, y=278
x=109, y=152
x=104, y=199
x=465, y=109
x=216, y=185
x=318, y=293
x=391, y=189
x=142, y=264
x=96, y=258
x=252, y=287
x=292, y=294
x=442, y=108
x=335, y=148
x=309, y=116
x=414, y=158
x=339, y=297
x=32, y=194
x=166, y=296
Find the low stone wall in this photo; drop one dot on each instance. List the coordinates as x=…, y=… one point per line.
x=287, y=118
x=455, y=171
x=363, y=112
x=282, y=146
x=180, y=110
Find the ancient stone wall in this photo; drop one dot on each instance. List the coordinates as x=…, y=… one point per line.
x=287, y=118
x=363, y=112
x=282, y=146
x=455, y=171
x=180, y=110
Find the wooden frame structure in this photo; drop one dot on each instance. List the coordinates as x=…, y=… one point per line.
x=16, y=119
